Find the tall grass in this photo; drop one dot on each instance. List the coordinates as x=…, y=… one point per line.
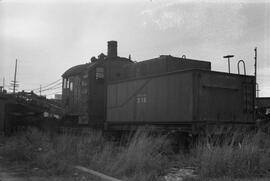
x=36, y=149
x=144, y=154
x=142, y=158
x=248, y=157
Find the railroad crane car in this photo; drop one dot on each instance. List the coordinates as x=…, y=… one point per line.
x=26, y=109
x=263, y=107
x=116, y=93
x=263, y=113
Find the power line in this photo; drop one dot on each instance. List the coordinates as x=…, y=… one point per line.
x=59, y=85
x=40, y=90
x=46, y=85
x=54, y=93
x=50, y=84
x=52, y=88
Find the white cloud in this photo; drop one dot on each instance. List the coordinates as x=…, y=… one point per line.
x=24, y=28
x=71, y=1
x=203, y=20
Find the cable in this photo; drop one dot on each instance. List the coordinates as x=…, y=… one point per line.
x=50, y=84
x=53, y=93
x=51, y=88
x=48, y=89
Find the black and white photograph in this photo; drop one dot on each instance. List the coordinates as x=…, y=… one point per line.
x=134, y=90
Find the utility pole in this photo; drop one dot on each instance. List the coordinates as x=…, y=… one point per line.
x=2, y=88
x=3, y=83
x=40, y=90
x=255, y=73
x=15, y=78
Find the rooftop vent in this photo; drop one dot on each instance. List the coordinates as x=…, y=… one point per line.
x=93, y=59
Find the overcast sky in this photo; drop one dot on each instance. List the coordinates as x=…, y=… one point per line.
x=50, y=36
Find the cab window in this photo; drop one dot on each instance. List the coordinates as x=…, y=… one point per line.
x=64, y=83
x=71, y=86
x=99, y=73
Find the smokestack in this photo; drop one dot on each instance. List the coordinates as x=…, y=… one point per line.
x=112, y=48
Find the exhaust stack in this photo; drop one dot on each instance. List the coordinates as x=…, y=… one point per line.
x=112, y=49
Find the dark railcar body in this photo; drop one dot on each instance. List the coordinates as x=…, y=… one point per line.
x=2, y=115
x=167, y=90
x=15, y=113
x=263, y=102
x=85, y=87
x=263, y=108
x=163, y=64
x=6, y=103
x=182, y=97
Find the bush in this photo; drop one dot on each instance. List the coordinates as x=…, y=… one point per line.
x=35, y=148
x=16, y=149
x=24, y=146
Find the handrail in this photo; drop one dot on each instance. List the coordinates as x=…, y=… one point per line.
x=244, y=65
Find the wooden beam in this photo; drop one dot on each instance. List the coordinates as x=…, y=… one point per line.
x=95, y=173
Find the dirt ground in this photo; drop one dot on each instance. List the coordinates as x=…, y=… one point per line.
x=17, y=172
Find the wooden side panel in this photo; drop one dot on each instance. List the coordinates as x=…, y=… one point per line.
x=226, y=98
x=158, y=99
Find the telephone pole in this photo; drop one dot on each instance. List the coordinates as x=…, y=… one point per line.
x=3, y=83
x=14, y=82
x=255, y=73
x=40, y=90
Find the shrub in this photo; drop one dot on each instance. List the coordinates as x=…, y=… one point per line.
x=35, y=148
x=24, y=146
x=16, y=149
